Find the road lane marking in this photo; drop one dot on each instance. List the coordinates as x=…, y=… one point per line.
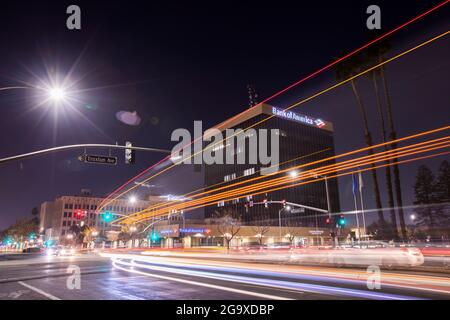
x=42, y=292
x=207, y=285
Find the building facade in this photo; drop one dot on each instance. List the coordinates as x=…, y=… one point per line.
x=302, y=140
x=57, y=217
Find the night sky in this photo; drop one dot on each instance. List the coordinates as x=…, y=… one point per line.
x=178, y=62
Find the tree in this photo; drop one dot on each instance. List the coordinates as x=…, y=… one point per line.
x=424, y=191
x=228, y=227
x=80, y=232
x=292, y=232
x=379, y=49
x=442, y=187
x=21, y=230
x=442, y=193
x=344, y=71
x=380, y=231
x=374, y=54
x=260, y=232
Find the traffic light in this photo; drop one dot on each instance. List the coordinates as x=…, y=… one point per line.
x=284, y=203
x=78, y=214
x=107, y=217
x=154, y=236
x=342, y=220
x=266, y=205
x=327, y=221
x=130, y=156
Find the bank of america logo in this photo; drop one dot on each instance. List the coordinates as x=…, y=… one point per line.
x=319, y=123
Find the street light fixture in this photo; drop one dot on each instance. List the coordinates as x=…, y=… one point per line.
x=132, y=199
x=293, y=173
x=56, y=94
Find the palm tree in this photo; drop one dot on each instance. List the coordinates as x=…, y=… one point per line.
x=380, y=49
x=373, y=57
x=345, y=70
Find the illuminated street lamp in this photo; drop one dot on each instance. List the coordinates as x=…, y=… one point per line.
x=133, y=229
x=293, y=174
x=69, y=236
x=56, y=94
x=132, y=199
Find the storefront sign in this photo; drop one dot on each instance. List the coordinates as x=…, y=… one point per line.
x=195, y=230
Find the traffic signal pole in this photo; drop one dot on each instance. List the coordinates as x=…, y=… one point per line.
x=78, y=146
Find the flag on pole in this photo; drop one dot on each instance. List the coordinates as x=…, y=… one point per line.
x=361, y=182
x=354, y=185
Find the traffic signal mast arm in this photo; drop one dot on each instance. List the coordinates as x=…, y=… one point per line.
x=293, y=205
x=78, y=146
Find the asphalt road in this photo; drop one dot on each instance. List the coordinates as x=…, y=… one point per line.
x=40, y=277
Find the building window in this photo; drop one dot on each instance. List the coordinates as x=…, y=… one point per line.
x=70, y=206
x=66, y=206
x=249, y=172
x=229, y=177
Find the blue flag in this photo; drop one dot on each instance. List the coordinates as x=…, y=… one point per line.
x=354, y=185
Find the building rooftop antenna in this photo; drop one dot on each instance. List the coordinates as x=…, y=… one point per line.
x=252, y=96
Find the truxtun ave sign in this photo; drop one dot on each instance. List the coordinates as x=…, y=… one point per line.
x=98, y=159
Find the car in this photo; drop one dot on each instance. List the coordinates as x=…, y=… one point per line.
x=278, y=246
x=250, y=247
x=32, y=250
x=364, y=253
x=60, y=251
x=66, y=251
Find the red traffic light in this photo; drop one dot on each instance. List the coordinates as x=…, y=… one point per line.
x=78, y=213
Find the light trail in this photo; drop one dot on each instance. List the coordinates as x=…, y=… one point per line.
x=320, y=170
x=420, y=16
x=263, y=282
x=287, y=180
x=321, y=179
x=417, y=135
x=367, y=160
x=195, y=283
x=311, y=172
x=220, y=263
x=229, y=195
x=300, y=103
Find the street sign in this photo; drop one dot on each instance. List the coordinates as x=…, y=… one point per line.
x=298, y=210
x=98, y=159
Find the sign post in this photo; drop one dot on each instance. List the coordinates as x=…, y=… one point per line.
x=98, y=159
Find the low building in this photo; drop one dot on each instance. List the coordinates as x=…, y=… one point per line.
x=170, y=235
x=58, y=216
